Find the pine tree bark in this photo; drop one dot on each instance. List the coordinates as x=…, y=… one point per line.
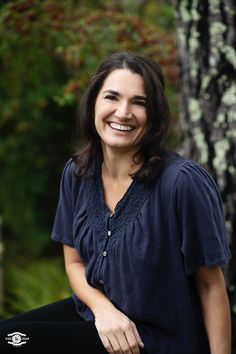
x=206, y=36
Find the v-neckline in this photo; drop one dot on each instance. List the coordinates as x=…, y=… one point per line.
x=126, y=209
x=121, y=202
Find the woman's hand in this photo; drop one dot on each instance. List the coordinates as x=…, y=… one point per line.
x=117, y=332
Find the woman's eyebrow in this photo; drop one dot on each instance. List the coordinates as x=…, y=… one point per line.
x=112, y=92
x=115, y=93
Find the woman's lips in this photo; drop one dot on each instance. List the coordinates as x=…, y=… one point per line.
x=121, y=127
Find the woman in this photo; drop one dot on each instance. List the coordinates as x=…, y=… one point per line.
x=142, y=230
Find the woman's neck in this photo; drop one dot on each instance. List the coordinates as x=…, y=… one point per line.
x=119, y=165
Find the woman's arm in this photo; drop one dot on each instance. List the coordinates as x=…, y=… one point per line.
x=211, y=287
x=117, y=332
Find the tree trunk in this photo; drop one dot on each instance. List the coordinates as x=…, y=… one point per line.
x=206, y=34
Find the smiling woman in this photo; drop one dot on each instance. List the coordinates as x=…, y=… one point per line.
x=142, y=231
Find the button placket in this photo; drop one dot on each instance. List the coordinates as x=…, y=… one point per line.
x=105, y=251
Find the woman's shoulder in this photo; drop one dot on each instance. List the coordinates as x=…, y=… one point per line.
x=69, y=176
x=174, y=161
x=71, y=168
x=179, y=170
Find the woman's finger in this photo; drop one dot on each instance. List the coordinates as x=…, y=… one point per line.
x=132, y=343
x=106, y=343
x=137, y=336
x=115, y=343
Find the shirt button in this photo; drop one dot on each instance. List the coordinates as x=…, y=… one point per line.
x=111, y=215
x=101, y=281
x=104, y=253
x=109, y=233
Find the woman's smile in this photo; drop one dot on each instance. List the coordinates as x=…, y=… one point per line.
x=121, y=127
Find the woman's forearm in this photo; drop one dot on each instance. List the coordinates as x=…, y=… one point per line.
x=90, y=296
x=216, y=314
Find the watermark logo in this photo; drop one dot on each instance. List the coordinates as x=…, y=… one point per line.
x=16, y=339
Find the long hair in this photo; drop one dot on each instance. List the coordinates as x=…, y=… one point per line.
x=151, y=149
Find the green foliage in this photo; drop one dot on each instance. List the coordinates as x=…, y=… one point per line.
x=159, y=13
x=48, y=51
x=34, y=285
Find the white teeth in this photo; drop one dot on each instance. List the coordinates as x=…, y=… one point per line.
x=116, y=126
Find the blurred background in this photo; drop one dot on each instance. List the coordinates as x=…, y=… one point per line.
x=48, y=51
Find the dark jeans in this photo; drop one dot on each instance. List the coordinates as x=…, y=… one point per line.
x=54, y=328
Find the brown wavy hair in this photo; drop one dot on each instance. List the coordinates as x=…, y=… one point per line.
x=152, y=151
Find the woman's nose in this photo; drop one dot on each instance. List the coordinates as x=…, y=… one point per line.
x=123, y=111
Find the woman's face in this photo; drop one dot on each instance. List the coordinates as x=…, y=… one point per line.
x=120, y=111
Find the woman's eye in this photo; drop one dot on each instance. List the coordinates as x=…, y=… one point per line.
x=110, y=97
x=140, y=103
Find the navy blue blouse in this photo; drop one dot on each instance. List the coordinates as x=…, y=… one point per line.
x=143, y=256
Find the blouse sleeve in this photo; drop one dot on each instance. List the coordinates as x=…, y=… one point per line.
x=63, y=223
x=201, y=219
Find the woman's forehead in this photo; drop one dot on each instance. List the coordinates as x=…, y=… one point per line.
x=122, y=80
